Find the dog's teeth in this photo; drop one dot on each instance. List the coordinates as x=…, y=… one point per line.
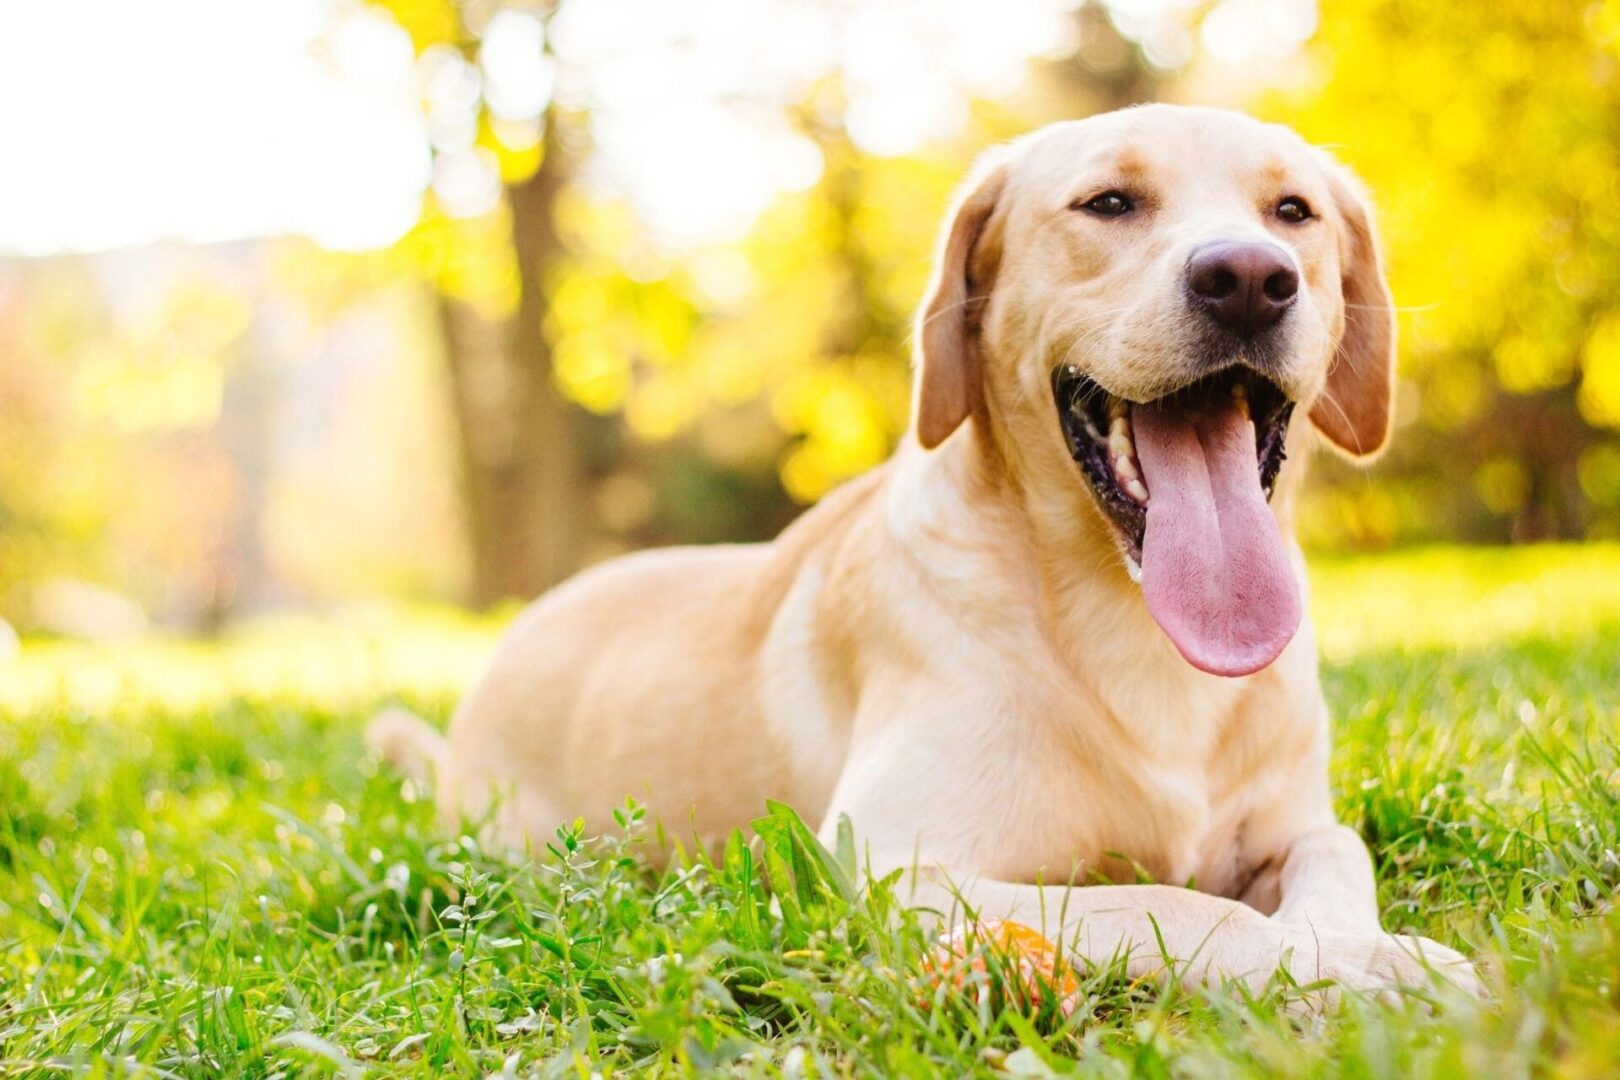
x=1120, y=444
x=1118, y=409
x=1122, y=456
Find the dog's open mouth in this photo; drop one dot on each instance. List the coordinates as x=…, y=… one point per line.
x=1098, y=430
x=1185, y=480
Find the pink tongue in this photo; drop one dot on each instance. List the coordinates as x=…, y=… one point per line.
x=1214, y=570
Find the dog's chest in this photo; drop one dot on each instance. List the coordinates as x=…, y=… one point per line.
x=1144, y=792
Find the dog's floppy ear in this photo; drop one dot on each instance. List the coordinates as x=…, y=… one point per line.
x=948, y=385
x=1355, y=408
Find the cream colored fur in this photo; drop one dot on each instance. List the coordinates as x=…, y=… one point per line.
x=949, y=649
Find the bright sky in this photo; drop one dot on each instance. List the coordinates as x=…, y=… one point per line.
x=126, y=122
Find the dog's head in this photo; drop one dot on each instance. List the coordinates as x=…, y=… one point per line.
x=1136, y=303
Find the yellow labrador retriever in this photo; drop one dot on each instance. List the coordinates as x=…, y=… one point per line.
x=1060, y=635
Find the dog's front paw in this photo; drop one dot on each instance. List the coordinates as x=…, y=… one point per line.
x=1410, y=961
x=1387, y=964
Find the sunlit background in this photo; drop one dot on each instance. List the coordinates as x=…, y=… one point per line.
x=304, y=303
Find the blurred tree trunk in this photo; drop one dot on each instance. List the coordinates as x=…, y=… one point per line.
x=1106, y=71
x=522, y=460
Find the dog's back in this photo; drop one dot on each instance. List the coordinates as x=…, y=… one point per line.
x=642, y=677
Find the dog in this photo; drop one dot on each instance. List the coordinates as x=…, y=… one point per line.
x=1059, y=639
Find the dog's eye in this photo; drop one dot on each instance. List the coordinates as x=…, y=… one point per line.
x=1294, y=210
x=1108, y=204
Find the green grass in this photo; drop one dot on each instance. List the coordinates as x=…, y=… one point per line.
x=200, y=876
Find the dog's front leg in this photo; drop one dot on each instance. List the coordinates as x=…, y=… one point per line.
x=1162, y=930
x=1327, y=886
x=1327, y=882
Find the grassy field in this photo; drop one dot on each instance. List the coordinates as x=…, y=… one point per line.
x=201, y=876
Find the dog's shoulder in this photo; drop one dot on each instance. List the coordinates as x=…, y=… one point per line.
x=814, y=534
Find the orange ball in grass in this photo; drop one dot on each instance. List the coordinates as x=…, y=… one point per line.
x=1027, y=961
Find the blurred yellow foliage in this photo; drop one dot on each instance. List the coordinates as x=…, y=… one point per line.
x=1600, y=362
x=167, y=371
x=516, y=144
x=1490, y=136
x=429, y=22
x=809, y=314
x=469, y=259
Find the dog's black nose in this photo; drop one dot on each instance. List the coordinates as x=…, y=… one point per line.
x=1243, y=286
